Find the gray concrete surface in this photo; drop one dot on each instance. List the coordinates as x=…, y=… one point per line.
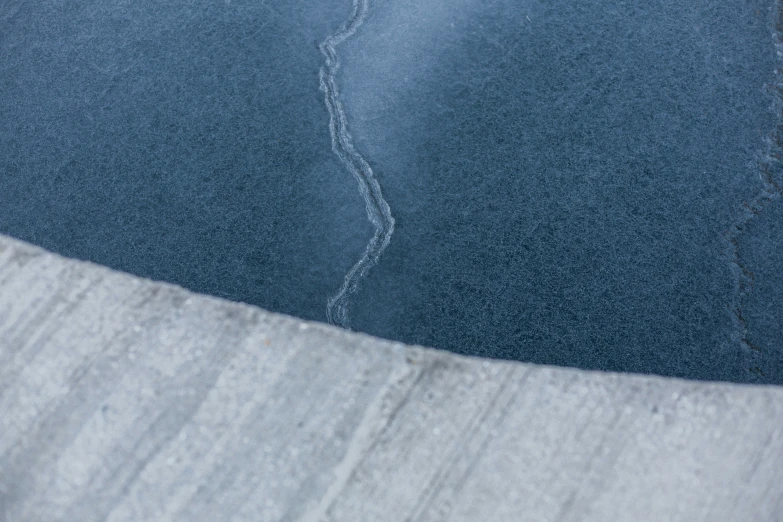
x=122, y=399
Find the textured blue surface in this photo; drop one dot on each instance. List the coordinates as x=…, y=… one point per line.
x=762, y=303
x=567, y=178
x=563, y=175
x=182, y=141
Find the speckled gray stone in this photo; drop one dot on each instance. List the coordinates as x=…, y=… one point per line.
x=122, y=399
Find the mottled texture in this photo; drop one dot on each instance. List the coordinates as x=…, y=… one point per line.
x=122, y=399
x=569, y=182
x=182, y=141
x=762, y=300
x=563, y=175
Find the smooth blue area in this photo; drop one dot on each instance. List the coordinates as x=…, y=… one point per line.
x=562, y=173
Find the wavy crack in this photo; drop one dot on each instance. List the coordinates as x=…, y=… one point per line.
x=771, y=190
x=378, y=211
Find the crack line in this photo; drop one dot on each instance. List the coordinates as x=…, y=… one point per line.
x=378, y=211
x=770, y=191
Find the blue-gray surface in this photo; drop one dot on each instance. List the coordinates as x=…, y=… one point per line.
x=181, y=141
x=567, y=177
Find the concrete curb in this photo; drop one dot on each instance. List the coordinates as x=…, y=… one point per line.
x=127, y=399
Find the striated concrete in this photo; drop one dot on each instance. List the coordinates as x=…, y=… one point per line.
x=122, y=399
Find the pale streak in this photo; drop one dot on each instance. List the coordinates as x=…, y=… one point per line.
x=378, y=211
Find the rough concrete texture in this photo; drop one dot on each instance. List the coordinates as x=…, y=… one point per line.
x=123, y=399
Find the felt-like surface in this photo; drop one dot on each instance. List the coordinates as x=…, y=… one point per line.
x=567, y=177
x=563, y=175
x=762, y=303
x=181, y=141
